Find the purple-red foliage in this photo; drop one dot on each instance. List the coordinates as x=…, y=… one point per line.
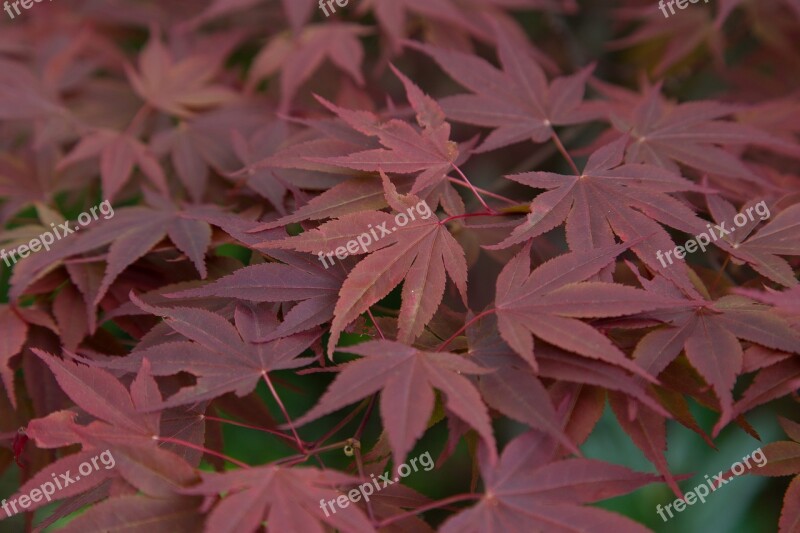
x=556, y=166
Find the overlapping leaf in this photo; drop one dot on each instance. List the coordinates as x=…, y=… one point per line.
x=288, y=499
x=611, y=198
x=709, y=332
x=429, y=154
x=517, y=101
x=224, y=358
x=548, y=303
x=526, y=490
x=421, y=253
x=406, y=378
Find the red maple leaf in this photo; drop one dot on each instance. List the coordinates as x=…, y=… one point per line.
x=406, y=378
x=526, y=490
x=517, y=101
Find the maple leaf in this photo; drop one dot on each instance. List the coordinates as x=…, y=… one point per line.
x=287, y=498
x=517, y=101
x=513, y=389
x=611, y=198
x=178, y=88
x=430, y=153
x=297, y=57
x=685, y=32
x=266, y=182
x=708, y=332
x=407, y=377
x=118, y=153
x=25, y=179
x=445, y=23
x=199, y=116
x=117, y=513
x=195, y=145
x=648, y=431
x=224, y=358
x=775, y=380
x=24, y=94
x=525, y=491
x=300, y=279
x=665, y=134
x=73, y=326
x=392, y=15
x=788, y=301
x=351, y=196
x=760, y=250
x=131, y=233
x=548, y=302
x=421, y=252
x=120, y=426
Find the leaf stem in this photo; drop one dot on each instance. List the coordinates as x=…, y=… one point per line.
x=375, y=323
x=484, y=191
x=341, y=424
x=468, y=215
x=300, y=443
x=363, y=475
x=138, y=118
x=299, y=458
x=186, y=444
x=560, y=146
x=721, y=273
x=248, y=426
x=433, y=505
x=464, y=327
x=363, y=423
x=472, y=187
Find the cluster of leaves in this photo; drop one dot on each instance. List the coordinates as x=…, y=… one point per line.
x=239, y=139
